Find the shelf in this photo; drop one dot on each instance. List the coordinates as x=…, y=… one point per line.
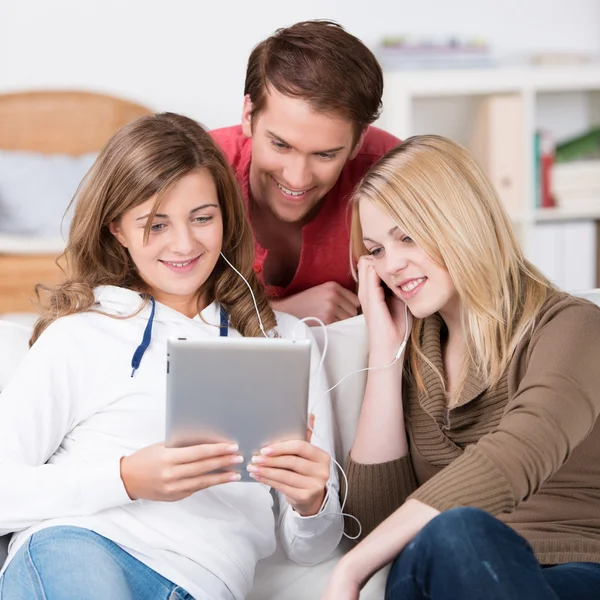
x=541, y=215
x=567, y=214
x=450, y=102
x=492, y=80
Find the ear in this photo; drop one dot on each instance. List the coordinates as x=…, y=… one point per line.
x=247, y=116
x=115, y=229
x=358, y=145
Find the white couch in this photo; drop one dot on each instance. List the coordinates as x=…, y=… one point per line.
x=276, y=578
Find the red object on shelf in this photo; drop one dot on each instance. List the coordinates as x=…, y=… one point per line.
x=547, y=151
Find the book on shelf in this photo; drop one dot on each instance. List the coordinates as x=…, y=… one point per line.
x=576, y=184
x=583, y=146
x=544, y=149
x=576, y=175
x=497, y=144
x=415, y=52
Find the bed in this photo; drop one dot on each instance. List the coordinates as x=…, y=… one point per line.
x=48, y=123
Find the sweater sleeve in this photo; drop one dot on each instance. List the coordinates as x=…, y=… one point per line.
x=375, y=491
x=310, y=540
x=554, y=409
x=44, y=400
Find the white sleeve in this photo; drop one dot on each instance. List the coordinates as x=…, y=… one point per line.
x=310, y=540
x=43, y=401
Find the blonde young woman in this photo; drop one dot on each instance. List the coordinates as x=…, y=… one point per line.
x=101, y=509
x=476, y=464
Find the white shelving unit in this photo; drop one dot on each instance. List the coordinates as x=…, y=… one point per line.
x=445, y=102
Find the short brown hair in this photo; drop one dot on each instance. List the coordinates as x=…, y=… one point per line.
x=321, y=63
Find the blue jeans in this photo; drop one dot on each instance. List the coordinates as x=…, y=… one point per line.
x=72, y=563
x=466, y=554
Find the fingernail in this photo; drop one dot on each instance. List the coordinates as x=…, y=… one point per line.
x=266, y=450
x=235, y=477
x=233, y=448
x=252, y=468
x=253, y=476
x=258, y=459
x=237, y=459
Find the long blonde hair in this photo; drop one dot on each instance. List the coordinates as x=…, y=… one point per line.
x=143, y=159
x=435, y=192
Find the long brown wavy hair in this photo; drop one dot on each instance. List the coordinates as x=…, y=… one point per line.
x=144, y=159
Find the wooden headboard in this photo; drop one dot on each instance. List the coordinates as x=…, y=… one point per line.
x=51, y=122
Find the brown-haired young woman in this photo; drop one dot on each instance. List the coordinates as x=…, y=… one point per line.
x=101, y=509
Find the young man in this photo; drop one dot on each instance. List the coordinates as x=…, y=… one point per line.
x=311, y=92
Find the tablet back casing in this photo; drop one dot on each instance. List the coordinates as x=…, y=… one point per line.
x=251, y=391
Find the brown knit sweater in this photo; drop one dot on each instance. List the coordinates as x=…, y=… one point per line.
x=526, y=451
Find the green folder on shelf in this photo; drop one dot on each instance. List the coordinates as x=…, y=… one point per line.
x=581, y=146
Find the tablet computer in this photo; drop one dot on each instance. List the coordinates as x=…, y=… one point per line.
x=251, y=391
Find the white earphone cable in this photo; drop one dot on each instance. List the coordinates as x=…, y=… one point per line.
x=318, y=370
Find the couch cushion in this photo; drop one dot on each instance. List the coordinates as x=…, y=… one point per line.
x=14, y=342
x=277, y=578
x=347, y=352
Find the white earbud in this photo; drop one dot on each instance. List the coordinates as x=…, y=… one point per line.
x=400, y=351
x=403, y=345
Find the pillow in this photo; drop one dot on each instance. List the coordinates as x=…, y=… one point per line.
x=347, y=352
x=35, y=190
x=14, y=343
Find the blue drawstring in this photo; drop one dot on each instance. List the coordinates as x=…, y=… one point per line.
x=224, y=323
x=139, y=353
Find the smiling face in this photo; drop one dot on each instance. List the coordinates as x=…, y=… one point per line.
x=184, y=242
x=405, y=267
x=297, y=154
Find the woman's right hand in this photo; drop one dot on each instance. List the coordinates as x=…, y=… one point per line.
x=385, y=315
x=169, y=474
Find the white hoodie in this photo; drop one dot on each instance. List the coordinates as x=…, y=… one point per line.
x=71, y=412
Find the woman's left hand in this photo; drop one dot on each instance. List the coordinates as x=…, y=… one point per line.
x=298, y=470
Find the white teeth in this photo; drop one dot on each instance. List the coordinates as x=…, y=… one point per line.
x=184, y=264
x=290, y=191
x=411, y=285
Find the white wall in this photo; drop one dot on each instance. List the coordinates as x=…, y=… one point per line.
x=190, y=55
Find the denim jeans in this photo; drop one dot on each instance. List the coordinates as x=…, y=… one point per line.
x=466, y=554
x=72, y=563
